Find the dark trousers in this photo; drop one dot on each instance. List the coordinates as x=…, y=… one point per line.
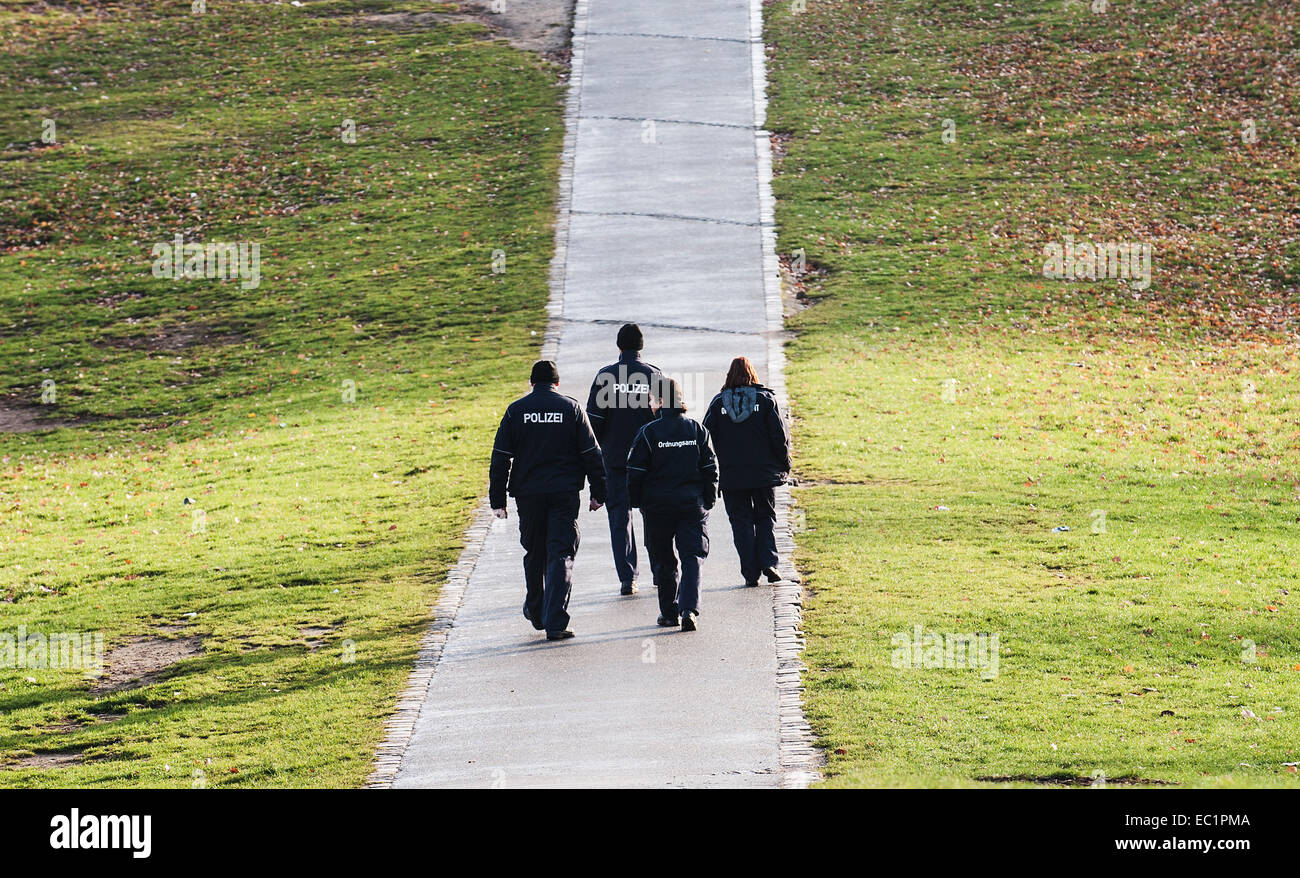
x=752, y=513
x=689, y=529
x=621, y=535
x=548, y=531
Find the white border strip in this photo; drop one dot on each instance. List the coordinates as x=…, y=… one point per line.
x=572, y=114
x=401, y=725
x=801, y=760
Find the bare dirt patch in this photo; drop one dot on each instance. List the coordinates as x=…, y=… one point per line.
x=874, y=483
x=18, y=416
x=780, y=141
x=1076, y=781
x=176, y=338
x=47, y=760
x=143, y=661
x=315, y=634
x=540, y=26
x=116, y=300
x=801, y=281
x=74, y=724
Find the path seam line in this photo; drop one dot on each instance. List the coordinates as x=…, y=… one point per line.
x=608, y=33
x=669, y=216
x=676, y=327
x=659, y=121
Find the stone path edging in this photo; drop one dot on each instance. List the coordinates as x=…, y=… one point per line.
x=401, y=725
x=800, y=758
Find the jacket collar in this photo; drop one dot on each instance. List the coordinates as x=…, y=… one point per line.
x=629, y=356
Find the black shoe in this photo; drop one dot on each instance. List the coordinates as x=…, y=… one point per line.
x=537, y=625
x=559, y=635
x=771, y=574
x=688, y=621
x=668, y=622
x=751, y=583
x=628, y=588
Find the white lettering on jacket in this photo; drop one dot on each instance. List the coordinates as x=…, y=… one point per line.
x=543, y=417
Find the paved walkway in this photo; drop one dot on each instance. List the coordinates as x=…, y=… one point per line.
x=665, y=220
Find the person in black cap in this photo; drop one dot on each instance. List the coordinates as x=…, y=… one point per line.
x=672, y=477
x=753, y=445
x=544, y=450
x=619, y=405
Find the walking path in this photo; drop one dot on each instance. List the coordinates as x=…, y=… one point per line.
x=666, y=220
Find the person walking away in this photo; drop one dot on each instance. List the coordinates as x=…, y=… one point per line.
x=619, y=405
x=753, y=448
x=543, y=452
x=672, y=478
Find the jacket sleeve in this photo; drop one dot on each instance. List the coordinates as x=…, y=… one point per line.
x=593, y=462
x=597, y=413
x=711, y=415
x=638, y=464
x=503, y=453
x=778, y=435
x=708, y=465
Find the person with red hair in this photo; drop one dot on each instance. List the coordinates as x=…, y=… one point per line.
x=752, y=444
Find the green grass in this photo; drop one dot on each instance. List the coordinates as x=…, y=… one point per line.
x=375, y=268
x=1174, y=411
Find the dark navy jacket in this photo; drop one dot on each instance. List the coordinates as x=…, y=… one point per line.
x=619, y=404
x=671, y=465
x=544, y=445
x=750, y=437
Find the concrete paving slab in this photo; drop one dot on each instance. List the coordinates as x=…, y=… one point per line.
x=716, y=19
x=668, y=79
x=656, y=271
x=687, y=171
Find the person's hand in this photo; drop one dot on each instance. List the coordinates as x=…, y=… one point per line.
x=593, y=505
x=501, y=513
